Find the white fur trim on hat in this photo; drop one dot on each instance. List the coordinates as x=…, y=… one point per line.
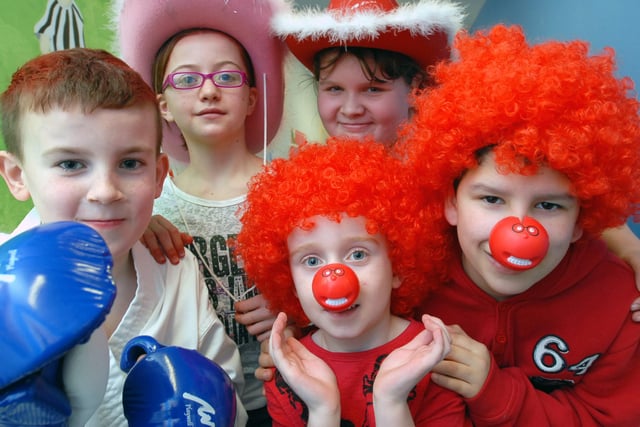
x=423, y=31
x=421, y=18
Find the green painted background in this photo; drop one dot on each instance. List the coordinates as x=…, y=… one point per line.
x=18, y=43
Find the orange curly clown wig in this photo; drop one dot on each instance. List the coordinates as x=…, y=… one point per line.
x=344, y=176
x=549, y=104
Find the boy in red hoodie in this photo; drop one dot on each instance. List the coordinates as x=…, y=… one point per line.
x=532, y=151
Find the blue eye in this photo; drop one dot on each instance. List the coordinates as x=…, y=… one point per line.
x=70, y=165
x=228, y=78
x=187, y=79
x=357, y=255
x=311, y=261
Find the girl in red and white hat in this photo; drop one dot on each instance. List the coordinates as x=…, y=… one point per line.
x=367, y=56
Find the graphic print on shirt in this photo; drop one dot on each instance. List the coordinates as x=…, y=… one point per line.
x=293, y=399
x=367, y=392
x=368, y=417
x=296, y=403
x=550, y=356
x=222, y=261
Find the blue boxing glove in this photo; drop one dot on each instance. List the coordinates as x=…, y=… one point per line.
x=173, y=386
x=36, y=400
x=55, y=290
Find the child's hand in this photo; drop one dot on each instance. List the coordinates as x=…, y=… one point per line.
x=403, y=368
x=264, y=372
x=164, y=240
x=254, y=314
x=635, y=306
x=466, y=367
x=308, y=375
x=406, y=365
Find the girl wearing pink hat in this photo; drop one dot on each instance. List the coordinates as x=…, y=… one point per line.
x=218, y=75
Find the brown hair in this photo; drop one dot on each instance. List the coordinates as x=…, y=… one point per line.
x=388, y=64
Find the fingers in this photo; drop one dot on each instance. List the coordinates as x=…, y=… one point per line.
x=449, y=382
x=265, y=360
x=150, y=241
x=169, y=241
x=186, y=238
x=261, y=330
x=254, y=314
x=635, y=308
x=462, y=341
x=466, y=367
x=442, y=342
x=264, y=374
x=432, y=323
x=250, y=304
x=277, y=334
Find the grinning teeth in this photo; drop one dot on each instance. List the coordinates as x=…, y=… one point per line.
x=519, y=261
x=335, y=302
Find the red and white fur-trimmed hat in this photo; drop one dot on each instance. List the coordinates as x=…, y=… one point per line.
x=142, y=27
x=422, y=31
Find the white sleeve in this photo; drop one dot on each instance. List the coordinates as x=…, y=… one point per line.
x=32, y=219
x=85, y=372
x=219, y=347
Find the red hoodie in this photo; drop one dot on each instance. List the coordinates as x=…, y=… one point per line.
x=565, y=352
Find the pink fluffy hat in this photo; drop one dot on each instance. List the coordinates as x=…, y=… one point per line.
x=142, y=27
x=422, y=31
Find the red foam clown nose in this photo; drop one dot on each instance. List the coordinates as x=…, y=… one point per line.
x=335, y=287
x=519, y=245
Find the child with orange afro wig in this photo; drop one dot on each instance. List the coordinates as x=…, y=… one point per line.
x=333, y=236
x=532, y=151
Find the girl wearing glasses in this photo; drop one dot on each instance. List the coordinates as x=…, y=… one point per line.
x=216, y=69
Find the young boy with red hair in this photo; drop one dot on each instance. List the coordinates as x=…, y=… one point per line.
x=332, y=237
x=83, y=135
